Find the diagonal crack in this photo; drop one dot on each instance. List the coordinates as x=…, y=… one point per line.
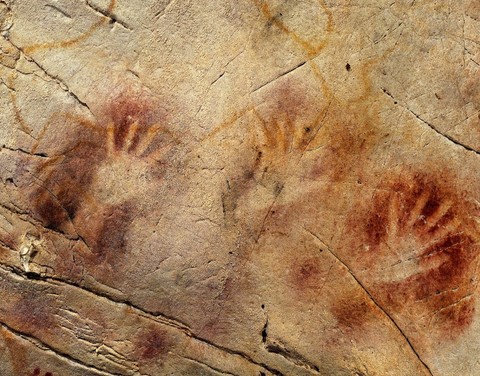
x=432, y=127
x=450, y=138
x=9, y=87
x=25, y=216
x=53, y=77
x=292, y=356
x=44, y=347
x=390, y=318
x=59, y=10
x=108, y=14
x=154, y=316
x=163, y=10
x=280, y=75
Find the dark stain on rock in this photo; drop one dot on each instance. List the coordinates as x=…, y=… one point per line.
x=307, y=274
x=37, y=372
x=111, y=237
x=419, y=220
x=152, y=343
x=33, y=313
x=352, y=314
x=131, y=126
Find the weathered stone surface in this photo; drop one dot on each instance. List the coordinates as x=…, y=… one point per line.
x=251, y=187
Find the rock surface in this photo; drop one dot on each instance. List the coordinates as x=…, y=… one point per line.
x=244, y=187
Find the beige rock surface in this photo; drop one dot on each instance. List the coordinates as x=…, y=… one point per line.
x=251, y=187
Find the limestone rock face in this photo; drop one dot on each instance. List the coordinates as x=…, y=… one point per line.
x=239, y=187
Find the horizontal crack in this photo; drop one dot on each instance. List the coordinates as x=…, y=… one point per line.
x=208, y=366
x=20, y=150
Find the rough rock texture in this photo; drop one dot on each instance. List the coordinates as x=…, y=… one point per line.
x=239, y=187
